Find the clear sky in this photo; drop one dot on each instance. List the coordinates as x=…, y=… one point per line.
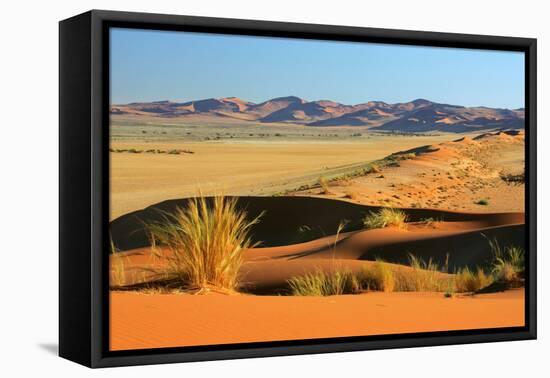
x=181, y=66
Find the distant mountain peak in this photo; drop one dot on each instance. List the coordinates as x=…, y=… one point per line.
x=288, y=98
x=421, y=101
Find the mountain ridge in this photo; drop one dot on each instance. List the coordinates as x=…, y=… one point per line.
x=419, y=115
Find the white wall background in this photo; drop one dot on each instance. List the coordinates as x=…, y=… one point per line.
x=29, y=188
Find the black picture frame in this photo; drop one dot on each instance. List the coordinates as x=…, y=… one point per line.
x=84, y=187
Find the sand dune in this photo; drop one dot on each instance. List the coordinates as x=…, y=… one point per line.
x=453, y=175
x=436, y=185
x=158, y=321
x=283, y=216
x=460, y=239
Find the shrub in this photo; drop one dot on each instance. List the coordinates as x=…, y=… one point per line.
x=482, y=202
x=510, y=178
x=205, y=242
x=320, y=283
x=386, y=217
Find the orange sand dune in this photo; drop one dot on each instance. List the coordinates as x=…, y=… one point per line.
x=283, y=216
x=460, y=241
x=157, y=321
x=452, y=175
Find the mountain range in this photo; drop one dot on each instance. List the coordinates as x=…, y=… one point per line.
x=415, y=116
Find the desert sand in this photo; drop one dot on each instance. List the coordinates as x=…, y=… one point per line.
x=158, y=321
x=452, y=175
x=142, y=316
x=240, y=167
x=438, y=181
x=458, y=239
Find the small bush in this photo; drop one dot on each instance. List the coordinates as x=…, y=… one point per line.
x=320, y=283
x=482, y=202
x=385, y=217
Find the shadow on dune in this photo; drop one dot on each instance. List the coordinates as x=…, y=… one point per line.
x=292, y=219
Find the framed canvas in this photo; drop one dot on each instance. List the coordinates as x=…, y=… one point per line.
x=235, y=188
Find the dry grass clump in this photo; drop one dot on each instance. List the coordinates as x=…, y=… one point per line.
x=205, y=241
x=118, y=267
x=509, y=262
x=118, y=270
x=386, y=217
x=320, y=283
x=379, y=277
x=424, y=276
x=468, y=281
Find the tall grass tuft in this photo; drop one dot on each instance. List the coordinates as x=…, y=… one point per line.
x=379, y=277
x=468, y=281
x=508, y=263
x=205, y=242
x=118, y=271
x=386, y=217
x=320, y=283
x=424, y=276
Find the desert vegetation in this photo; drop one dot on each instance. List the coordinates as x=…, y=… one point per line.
x=386, y=217
x=175, y=151
x=321, y=283
x=511, y=178
x=205, y=243
x=419, y=275
x=509, y=262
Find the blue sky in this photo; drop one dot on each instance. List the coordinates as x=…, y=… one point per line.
x=181, y=66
